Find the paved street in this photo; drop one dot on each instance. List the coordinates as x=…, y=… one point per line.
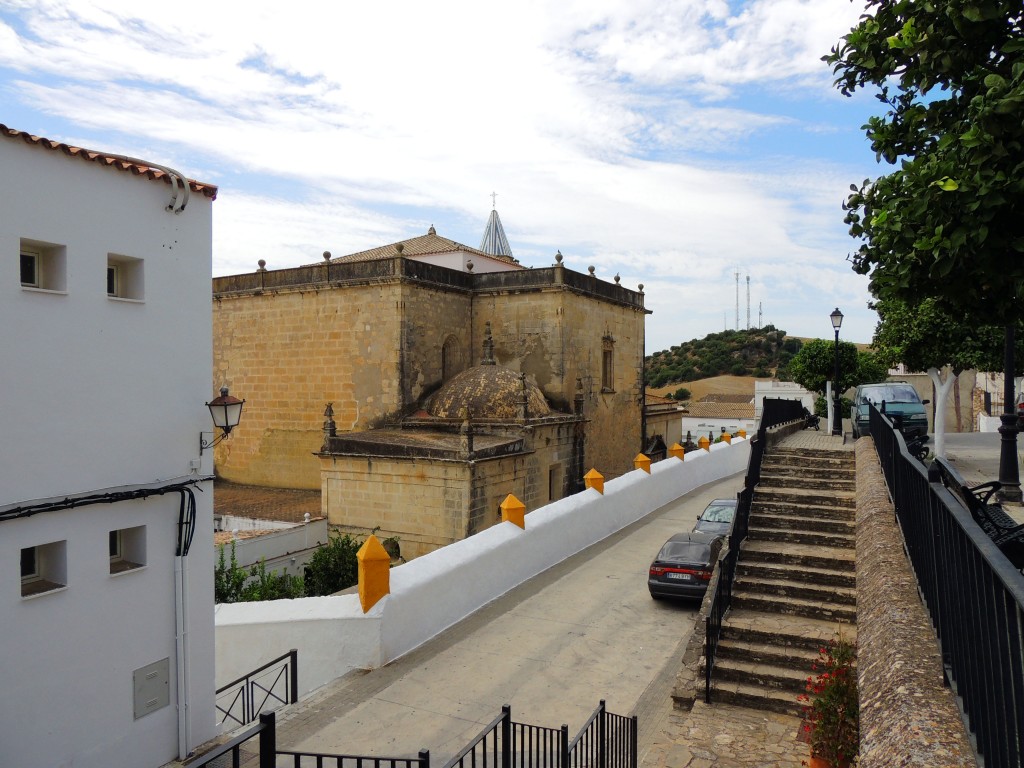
x=552, y=648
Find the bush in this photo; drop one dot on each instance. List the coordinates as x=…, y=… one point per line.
x=831, y=712
x=233, y=584
x=333, y=566
x=681, y=394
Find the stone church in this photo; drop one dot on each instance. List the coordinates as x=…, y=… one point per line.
x=451, y=376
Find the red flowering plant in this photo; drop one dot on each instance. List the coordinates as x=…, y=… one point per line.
x=831, y=713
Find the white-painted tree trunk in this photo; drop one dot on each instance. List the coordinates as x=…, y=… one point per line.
x=942, y=390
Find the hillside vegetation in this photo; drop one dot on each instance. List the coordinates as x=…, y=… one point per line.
x=759, y=352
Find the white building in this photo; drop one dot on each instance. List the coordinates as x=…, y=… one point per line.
x=105, y=366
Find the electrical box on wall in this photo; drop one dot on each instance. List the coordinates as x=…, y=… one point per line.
x=152, y=687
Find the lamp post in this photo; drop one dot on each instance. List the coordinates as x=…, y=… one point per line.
x=837, y=415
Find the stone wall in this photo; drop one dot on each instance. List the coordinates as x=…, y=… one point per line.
x=908, y=717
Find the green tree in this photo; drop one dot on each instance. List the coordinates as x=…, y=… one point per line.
x=815, y=364
x=681, y=394
x=333, y=566
x=946, y=223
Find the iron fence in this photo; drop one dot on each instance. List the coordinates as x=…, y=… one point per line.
x=276, y=683
x=974, y=595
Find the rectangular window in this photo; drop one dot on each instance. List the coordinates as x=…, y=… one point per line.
x=127, y=549
x=43, y=266
x=608, y=364
x=124, y=277
x=43, y=568
x=30, y=269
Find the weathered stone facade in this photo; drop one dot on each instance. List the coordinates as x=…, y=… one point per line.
x=375, y=338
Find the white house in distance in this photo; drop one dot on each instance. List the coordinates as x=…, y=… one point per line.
x=105, y=366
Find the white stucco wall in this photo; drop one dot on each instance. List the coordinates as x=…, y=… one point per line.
x=457, y=260
x=437, y=590
x=97, y=393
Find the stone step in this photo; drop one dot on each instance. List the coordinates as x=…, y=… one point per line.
x=817, y=453
x=795, y=509
x=754, y=697
x=784, y=632
x=808, y=466
x=793, y=681
x=796, y=496
x=799, y=573
x=816, y=609
x=759, y=532
x=790, y=657
x=806, y=483
x=791, y=553
x=799, y=523
x=801, y=590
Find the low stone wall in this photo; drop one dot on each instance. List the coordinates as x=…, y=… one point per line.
x=907, y=716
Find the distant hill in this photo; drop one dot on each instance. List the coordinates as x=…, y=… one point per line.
x=758, y=352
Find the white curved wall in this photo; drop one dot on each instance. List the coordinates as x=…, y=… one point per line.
x=435, y=591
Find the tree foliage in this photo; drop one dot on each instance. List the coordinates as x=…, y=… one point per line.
x=333, y=566
x=948, y=222
x=739, y=353
x=815, y=364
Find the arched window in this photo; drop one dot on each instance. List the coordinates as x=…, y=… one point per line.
x=451, y=358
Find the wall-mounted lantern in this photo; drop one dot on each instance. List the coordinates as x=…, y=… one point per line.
x=226, y=412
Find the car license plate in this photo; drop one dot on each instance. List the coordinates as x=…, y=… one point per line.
x=680, y=576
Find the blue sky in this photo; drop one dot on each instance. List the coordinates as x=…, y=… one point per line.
x=671, y=143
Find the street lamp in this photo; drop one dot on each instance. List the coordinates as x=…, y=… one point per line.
x=837, y=415
x=226, y=411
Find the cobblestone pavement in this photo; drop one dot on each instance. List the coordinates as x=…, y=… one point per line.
x=721, y=736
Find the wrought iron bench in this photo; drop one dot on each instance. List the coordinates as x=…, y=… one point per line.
x=1004, y=531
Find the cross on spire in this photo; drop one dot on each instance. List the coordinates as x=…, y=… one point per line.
x=494, y=201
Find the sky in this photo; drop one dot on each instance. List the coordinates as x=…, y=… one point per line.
x=672, y=142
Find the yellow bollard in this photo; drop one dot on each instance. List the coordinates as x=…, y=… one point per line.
x=677, y=451
x=704, y=443
x=642, y=462
x=594, y=479
x=513, y=511
x=374, y=572
x=727, y=437
x=742, y=433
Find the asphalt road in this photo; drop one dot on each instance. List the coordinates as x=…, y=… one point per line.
x=584, y=630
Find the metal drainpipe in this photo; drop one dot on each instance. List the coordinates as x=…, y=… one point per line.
x=181, y=658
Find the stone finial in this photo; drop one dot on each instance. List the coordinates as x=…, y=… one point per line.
x=640, y=287
x=327, y=255
x=488, y=358
x=399, y=247
x=469, y=266
x=578, y=397
x=262, y=264
x=617, y=278
x=431, y=231
x=374, y=564
x=591, y=270
x=558, y=257
x=330, y=428
x=524, y=400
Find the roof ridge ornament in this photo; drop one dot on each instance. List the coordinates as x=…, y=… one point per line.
x=488, y=358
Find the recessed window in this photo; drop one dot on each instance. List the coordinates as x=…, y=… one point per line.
x=124, y=277
x=43, y=266
x=554, y=482
x=43, y=568
x=127, y=549
x=608, y=364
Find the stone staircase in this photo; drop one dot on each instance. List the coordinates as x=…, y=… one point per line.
x=794, y=580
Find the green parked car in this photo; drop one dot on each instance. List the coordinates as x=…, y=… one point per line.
x=898, y=397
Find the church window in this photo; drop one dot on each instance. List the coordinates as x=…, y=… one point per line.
x=450, y=358
x=608, y=365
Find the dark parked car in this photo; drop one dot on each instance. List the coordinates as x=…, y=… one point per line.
x=899, y=398
x=684, y=566
x=717, y=517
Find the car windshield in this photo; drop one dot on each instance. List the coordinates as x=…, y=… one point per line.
x=718, y=514
x=893, y=393
x=685, y=552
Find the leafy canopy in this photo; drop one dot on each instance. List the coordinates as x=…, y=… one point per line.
x=948, y=222
x=815, y=364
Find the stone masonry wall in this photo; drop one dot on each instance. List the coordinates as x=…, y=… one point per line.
x=557, y=336
x=908, y=717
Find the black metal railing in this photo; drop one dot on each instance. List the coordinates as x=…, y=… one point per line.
x=775, y=412
x=259, y=744
x=273, y=685
x=606, y=740
x=974, y=595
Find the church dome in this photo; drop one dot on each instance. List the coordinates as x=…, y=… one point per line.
x=487, y=392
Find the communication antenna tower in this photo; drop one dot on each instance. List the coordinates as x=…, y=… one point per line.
x=737, y=299
x=748, y=302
